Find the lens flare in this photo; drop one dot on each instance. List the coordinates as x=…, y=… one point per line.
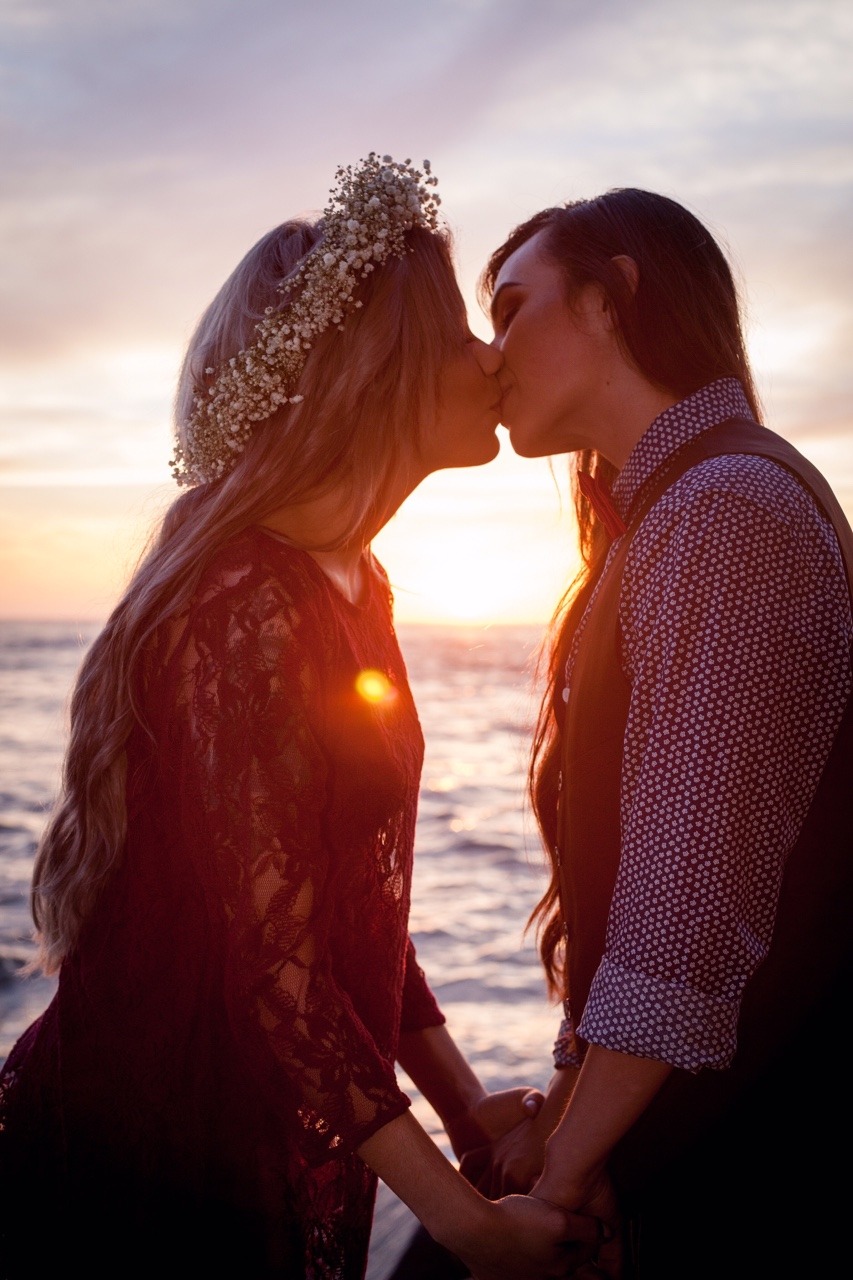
x=374, y=686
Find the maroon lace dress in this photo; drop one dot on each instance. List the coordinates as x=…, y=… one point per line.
x=224, y=1038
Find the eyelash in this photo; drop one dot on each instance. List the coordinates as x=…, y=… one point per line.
x=505, y=319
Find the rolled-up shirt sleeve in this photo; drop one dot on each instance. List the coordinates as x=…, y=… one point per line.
x=736, y=630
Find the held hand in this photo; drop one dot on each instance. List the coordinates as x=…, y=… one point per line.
x=600, y=1202
x=513, y=1163
x=491, y=1117
x=531, y=1240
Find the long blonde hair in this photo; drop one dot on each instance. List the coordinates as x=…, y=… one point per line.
x=367, y=392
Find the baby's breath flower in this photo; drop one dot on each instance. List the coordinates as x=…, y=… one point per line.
x=372, y=206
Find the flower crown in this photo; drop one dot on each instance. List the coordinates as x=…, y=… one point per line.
x=371, y=208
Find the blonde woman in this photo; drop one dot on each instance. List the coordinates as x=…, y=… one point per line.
x=223, y=886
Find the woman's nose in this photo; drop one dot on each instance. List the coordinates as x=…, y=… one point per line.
x=489, y=358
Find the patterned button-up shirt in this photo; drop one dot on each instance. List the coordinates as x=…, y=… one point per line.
x=737, y=634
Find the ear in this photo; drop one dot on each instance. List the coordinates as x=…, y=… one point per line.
x=591, y=308
x=629, y=270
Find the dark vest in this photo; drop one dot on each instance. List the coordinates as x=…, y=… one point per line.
x=803, y=987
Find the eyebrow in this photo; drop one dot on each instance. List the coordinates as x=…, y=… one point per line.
x=507, y=284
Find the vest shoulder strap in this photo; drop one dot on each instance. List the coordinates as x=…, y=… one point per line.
x=742, y=435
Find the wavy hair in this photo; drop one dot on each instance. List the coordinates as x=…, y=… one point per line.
x=680, y=328
x=368, y=390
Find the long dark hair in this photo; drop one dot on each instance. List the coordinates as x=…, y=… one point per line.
x=681, y=328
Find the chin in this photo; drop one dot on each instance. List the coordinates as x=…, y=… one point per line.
x=483, y=456
x=523, y=447
x=478, y=457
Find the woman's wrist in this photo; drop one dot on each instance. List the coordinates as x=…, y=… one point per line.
x=464, y=1131
x=462, y=1106
x=561, y=1184
x=464, y=1223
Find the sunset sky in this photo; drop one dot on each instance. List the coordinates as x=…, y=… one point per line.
x=148, y=143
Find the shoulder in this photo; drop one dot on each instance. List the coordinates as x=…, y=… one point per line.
x=738, y=524
x=738, y=494
x=752, y=477
x=256, y=593
x=261, y=573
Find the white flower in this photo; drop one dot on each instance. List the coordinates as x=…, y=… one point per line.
x=374, y=204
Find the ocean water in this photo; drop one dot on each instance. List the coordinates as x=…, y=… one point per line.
x=478, y=865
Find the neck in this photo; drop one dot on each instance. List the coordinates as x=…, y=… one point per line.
x=630, y=408
x=317, y=524
x=346, y=568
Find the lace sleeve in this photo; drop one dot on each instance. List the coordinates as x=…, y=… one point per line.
x=248, y=710
x=420, y=1008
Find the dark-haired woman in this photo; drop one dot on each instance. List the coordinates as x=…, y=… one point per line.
x=691, y=766
x=223, y=886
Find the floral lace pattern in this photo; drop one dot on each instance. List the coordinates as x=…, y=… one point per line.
x=241, y=991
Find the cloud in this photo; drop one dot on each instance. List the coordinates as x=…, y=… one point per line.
x=148, y=144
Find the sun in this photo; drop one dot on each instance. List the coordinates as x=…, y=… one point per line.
x=483, y=545
x=496, y=572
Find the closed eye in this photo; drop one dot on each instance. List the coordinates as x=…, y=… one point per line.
x=505, y=304
x=506, y=318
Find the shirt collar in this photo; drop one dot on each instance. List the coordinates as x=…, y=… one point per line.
x=678, y=424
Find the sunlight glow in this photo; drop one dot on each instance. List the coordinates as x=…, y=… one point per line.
x=492, y=562
x=469, y=582
x=374, y=686
x=794, y=338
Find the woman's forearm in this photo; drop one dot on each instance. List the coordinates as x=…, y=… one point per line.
x=473, y=1118
x=557, y=1097
x=408, y=1161
x=611, y=1092
x=515, y=1239
x=437, y=1067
